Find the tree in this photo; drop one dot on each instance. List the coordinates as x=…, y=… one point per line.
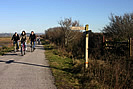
x=69, y=35
x=120, y=27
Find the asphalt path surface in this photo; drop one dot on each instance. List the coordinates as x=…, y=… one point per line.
x=30, y=71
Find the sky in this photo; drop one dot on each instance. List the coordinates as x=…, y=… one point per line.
x=39, y=15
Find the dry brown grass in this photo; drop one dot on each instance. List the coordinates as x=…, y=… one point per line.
x=5, y=41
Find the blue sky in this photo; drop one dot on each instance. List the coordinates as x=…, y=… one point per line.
x=39, y=15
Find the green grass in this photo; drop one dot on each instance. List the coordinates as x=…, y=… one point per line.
x=62, y=69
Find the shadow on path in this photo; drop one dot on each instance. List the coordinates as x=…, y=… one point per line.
x=12, y=54
x=12, y=61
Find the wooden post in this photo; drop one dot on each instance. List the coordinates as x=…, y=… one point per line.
x=130, y=47
x=86, y=49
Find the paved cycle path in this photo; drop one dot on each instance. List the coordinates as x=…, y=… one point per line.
x=26, y=72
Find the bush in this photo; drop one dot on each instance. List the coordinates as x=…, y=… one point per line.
x=120, y=27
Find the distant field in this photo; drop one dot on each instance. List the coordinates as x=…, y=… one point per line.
x=6, y=41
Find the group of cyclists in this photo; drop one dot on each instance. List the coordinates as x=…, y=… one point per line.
x=23, y=39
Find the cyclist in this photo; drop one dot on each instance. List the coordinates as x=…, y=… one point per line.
x=38, y=40
x=16, y=39
x=23, y=38
x=32, y=38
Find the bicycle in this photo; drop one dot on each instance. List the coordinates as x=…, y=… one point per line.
x=15, y=44
x=32, y=49
x=38, y=41
x=14, y=47
x=23, y=49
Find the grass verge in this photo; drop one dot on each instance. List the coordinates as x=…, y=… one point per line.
x=5, y=49
x=64, y=70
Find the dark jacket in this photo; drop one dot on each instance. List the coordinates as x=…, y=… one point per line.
x=23, y=38
x=15, y=38
x=32, y=37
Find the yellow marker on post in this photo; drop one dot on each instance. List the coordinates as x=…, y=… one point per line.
x=86, y=49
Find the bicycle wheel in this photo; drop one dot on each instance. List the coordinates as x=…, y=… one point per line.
x=24, y=48
x=31, y=48
x=22, y=52
x=14, y=48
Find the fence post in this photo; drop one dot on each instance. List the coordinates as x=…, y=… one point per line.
x=86, y=49
x=103, y=39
